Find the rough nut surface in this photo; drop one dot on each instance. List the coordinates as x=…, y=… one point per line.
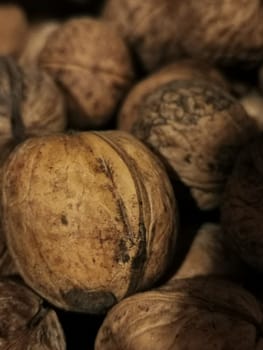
x=24, y=322
x=106, y=217
x=242, y=207
x=186, y=69
x=89, y=59
x=198, y=129
x=192, y=314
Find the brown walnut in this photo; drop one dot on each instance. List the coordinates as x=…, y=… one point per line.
x=197, y=128
x=161, y=31
x=24, y=322
x=106, y=217
x=192, y=314
x=89, y=59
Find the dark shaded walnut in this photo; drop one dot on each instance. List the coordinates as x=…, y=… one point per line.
x=106, y=217
x=13, y=29
x=197, y=128
x=30, y=105
x=37, y=38
x=181, y=70
x=253, y=105
x=24, y=322
x=89, y=59
x=161, y=31
x=208, y=255
x=192, y=314
x=242, y=207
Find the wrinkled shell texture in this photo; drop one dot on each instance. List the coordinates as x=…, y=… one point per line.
x=106, y=217
x=182, y=70
x=197, y=128
x=30, y=105
x=242, y=207
x=24, y=322
x=200, y=314
x=209, y=256
x=90, y=61
x=37, y=39
x=13, y=30
x=161, y=31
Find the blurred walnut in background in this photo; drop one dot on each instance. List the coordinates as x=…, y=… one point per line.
x=160, y=31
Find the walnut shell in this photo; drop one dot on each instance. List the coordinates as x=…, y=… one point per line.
x=181, y=70
x=37, y=38
x=208, y=255
x=192, y=314
x=89, y=59
x=197, y=128
x=242, y=207
x=162, y=31
x=30, y=105
x=106, y=217
x=24, y=322
x=13, y=29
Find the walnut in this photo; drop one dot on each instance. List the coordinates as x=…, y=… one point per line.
x=106, y=217
x=197, y=128
x=162, y=31
x=38, y=35
x=242, y=206
x=30, y=105
x=13, y=29
x=192, y=314
x=89, y=59
x=25, y=323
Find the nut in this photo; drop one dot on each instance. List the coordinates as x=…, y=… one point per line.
x=106, y=217
x=197, y=128
x=30, y=105
x=13, y=29
x=162, y=31
x=24, y=322
x=243, y=206
x=193, y=314
x=91, y=62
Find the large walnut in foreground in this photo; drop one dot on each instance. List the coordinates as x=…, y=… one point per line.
x=91, y=62
x=197, y=128
x=24, y=322
x=242, y=208
x=106, y=217
x=188, y=314
x=161, y=31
